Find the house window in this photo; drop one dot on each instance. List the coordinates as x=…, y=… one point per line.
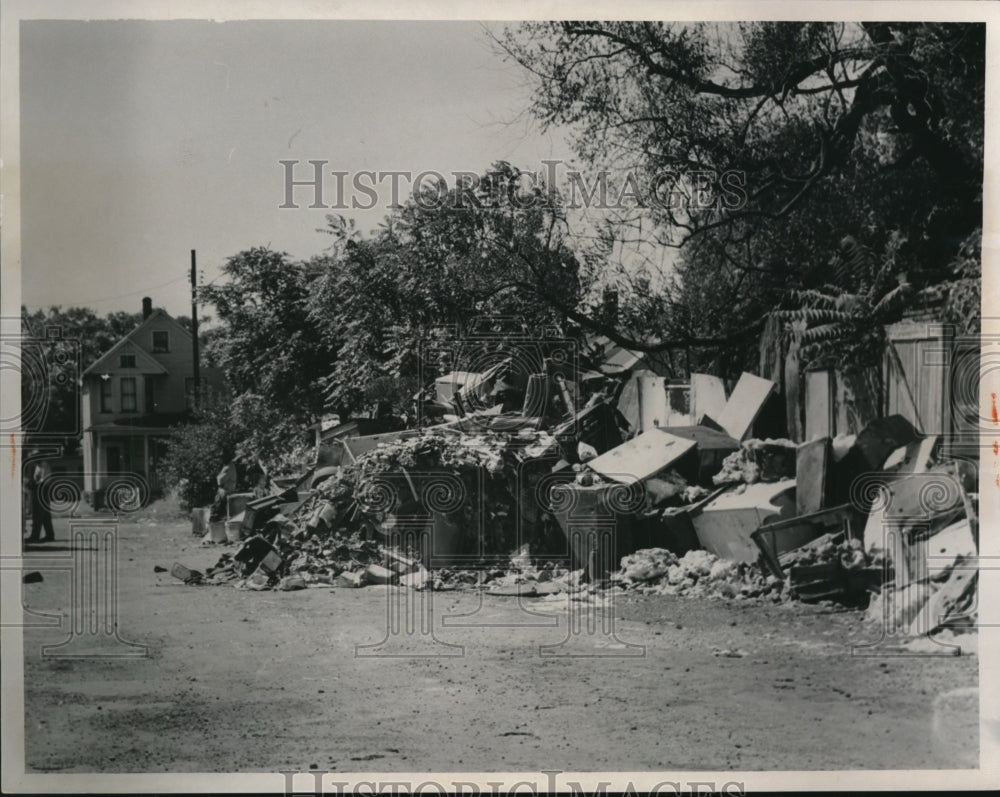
x=106, y=395
x=128, y=394
x=126, y=361
x=148, y=395
x=161, y=340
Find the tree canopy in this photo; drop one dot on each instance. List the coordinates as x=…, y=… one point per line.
x=871, y=132
x=347, y=327
x=496, y=248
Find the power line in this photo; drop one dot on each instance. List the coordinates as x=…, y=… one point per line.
x=100, y=299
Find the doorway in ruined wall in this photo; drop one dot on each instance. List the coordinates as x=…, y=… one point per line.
x=841, y=402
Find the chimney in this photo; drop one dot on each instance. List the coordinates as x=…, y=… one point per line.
x=147, y=307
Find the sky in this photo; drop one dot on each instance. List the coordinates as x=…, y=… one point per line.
x=143, y=140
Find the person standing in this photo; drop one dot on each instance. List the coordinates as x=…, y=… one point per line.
x=41, y=515
x=226, y=483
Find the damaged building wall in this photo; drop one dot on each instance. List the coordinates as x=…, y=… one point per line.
x=913, y=380
x=921, y=363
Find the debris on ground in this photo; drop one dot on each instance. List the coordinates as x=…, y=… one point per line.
x=759, y=461
x=696, y=574
x=700, y=510
x=185, y=574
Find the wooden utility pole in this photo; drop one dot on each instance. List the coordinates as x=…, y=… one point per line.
x=194, y=333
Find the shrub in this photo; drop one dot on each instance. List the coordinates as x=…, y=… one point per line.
x=196, y=453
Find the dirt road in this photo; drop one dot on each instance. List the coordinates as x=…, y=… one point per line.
x=260, y=681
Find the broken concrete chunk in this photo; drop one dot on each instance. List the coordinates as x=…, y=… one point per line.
x=647, y=564
x=290, y=583
x=376, y=574
x=350, y=579
x=418, y=579
x=258, y=580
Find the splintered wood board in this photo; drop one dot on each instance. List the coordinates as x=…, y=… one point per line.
x=744, y=405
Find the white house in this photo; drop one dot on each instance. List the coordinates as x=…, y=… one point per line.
x=132, y=395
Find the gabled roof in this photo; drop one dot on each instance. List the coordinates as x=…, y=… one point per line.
x=107, y=362
x=145, y=363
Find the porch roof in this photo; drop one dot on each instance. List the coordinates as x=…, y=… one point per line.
x=157, y=422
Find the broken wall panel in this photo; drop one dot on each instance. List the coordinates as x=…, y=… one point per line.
x=708, y=396
x=917, y=371
x=653, y=406
x=839, y=403
x=744, y=405
x=641, y=457
x=811, y=461
x=819, y=405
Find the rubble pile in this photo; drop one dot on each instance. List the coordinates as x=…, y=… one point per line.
x=696, y=574
x=941, y=597
x=758, y=461
x=703, y=510
x=340, y=534
x=833, y=549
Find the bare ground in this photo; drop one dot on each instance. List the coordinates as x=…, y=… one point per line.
x=241, y=681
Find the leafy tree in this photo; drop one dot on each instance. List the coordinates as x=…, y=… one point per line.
x=846, y=326
x=266, y=341
x=871, y=130
x=347, y=327
x=196, y=452
x=492, y=246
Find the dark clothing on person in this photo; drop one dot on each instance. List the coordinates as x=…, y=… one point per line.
x=41, y=515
